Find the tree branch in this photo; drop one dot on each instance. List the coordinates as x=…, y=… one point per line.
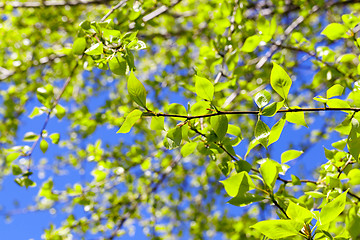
x=152, y=114
x=119, y=5
x=16, y=4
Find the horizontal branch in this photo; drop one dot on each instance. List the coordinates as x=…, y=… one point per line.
x=152, y=114
x=16, y=4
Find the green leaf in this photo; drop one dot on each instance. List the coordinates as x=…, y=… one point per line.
x=219, y=124
x=335, y=31
x=136, y=90
x=30, y=137
x=233, y=184
x=44, y=145
x=45, y=94
x=244, y=199
x=79, y=46
x=320, y=99
x=252, y=144
x=16, y=170
x=251, y=43
x=234, y=130
x=296, y=117
x=276, y=229
x=12, y=156
x=299, y=213
x=276, y=131
x=354, y=176
x=333, y=209
x=173, y=138
x=295, y=180
x=59, y=111
x=55, y=138
x=188, y=148
x=262, y=98
x=315, y=194
x=353, y=141
x=130, y=120
x=269, y=172
x=96, y=49
x=99, y=175
x=118, y=66
x=290, y=155
x=177, y=109
x=280, y=81
x=336, y=90
x=85, y=25
x=337, y=103
x=340, y=144
x=242, y=165
x=157, y=123
x=262, y=133
x=272, y=109
x=204, y=88
x=36, y=112
x=200, y=108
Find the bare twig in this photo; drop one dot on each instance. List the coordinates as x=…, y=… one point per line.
x=119, y=5
x=58, y=3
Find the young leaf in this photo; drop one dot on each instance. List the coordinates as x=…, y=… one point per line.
x=16, y=170
x=118, y=66
x=130, y=120
x=280, y=81
x=173, y=137
x=276, y=131
x=177, y=109
x=296, y=117
x=233, y=184
x=55, y=138
x=272, y=109
x=252, y=144
x=79, y=46
x=220, y=125
x=276, y=229
x=204, y=88
x=157, y=123
x=353, y=141
x=188, y=148
x=59, y=111
x=262, y=98
x=30, y=137
x=262, y=133
x=251, y=43
x=334, y=91
x=290, y=155
x=244, y=198
x=335, y=31
x=44, y=145
x=337, y=103
x=96, y=49
x=333, y=209
x=12, y=156
x=136, y=90
x=299, y=213
x=354, y=176
x=269, y=172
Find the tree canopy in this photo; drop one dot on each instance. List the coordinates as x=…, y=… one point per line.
x=183, y=119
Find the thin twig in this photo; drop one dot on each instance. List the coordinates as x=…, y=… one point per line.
x=152, y=114
x=119, y=5
x=16, y=4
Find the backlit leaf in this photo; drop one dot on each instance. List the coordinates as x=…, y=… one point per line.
x=204, y=88
x=130, y=120
x=136, y=90
x=280, y=81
